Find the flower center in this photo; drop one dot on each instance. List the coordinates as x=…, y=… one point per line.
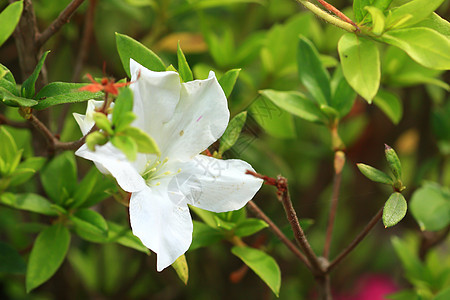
x=153, y=171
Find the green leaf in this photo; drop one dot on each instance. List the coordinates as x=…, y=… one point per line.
x=343, y=95
x=181, y=267
x=8, y=76
x=183, y=66
x=56, y=93
x=47, y=255
x=435, y=22
x=96, y=138
x=426, y=46
x=272, y=119
x=312, y=73
x=204, y=235
x=10, y=260
x=86, y=187
x=206, y=216
x=416, y=9
x=89, y=224
x=8, y=85
x=122, y=105
x=375, y=174
x=127, y=145
x=360, y=61
x=12, y=100
x=123, y=236
x=28, y=86
x=9, y=18
x=393, y=161
x=262, y=264
x=29, y=202
x=228, y=80
x=8, y=152
x=358, y=9
x=144, y=142
x=443, y=294
x=394, y=210
x=297, y=104
x=378, y=19
x=249, y=227
x=102, y=122
x=25, y=170
x=410, y=261
x=59, y=177
x=390, y=104
x=430, y=207
x=130, y=48
x=231, y=134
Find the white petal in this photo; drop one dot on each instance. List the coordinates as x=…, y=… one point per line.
x=107, y=157
x=163, y=227
x=156, y=94
x=86, y=122
x=218, y=185
x=200, y=118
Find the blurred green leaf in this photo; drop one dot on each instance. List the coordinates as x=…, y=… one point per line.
x=426, y=46
x=130, y=48
x=296, y=104
x=443, y=295
x=249, y=226
x=9, y=18
x=29, y=202
x=375, y=174
x=390, y=104
x=435, y=22
x=183, y=66
x=122, y=105
x=47, y=255
x=102, y=122
x=358, y=9
x=59, y=177
x=343, y=95
x=378, y=19
x=204, y=235
x=262, y=264
x=312, y=73
x=394, y=209
x=228, y=80
x=414, y=268
x=272, y=119
x=28, y=87
x=8, y=152
x=26, y=169
x=123, y=236
x=415, y=10
x=431, y=207
x=360, y=61
x=181, y=267
x=231, y=134
x=206, y=216
x=10, y=260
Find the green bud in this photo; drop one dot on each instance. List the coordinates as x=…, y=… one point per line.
x=375, y=174
x=95, y=138
x=102, y=122
x=394, y=162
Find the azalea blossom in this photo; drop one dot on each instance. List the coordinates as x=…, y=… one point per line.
x=184, y=119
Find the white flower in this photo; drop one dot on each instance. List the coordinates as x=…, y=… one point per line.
x=184, y=119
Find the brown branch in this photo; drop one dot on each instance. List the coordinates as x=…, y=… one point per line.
x=63, y=18
x=53, y=142
x=356, y=241
x=12, y=123
x=337, y=12
x=339, y=161
x=274, y=228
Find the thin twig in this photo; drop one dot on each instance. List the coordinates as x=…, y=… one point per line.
x=12, y=123
x=356, y=241
x=63, y=18
x=54, y=143
x=337, y=12
x=339, y=160
x=274, y=228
